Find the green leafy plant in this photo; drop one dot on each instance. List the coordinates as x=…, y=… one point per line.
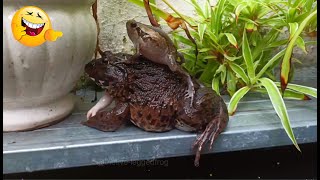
x=241, y=42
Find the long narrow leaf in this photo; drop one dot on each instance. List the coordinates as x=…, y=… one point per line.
x=231, y=83
x=257, y=63
x=209, y=57
x=293, y=29
x=301, y=44
x=218, y=14
x=232, y=39
x=223, y=74
x=279, y=106
x=201, y=30
x=239, y=8
x=288, y=94
x=205, y=50
x=198, y=8
x=278, y=43
x=232, y=106
x=207, y=9
x=303, y=89
x=231, y=58
x=182, y=39
x=285, y=66
x=215, y=84
x=239, y=71
x=247, y=56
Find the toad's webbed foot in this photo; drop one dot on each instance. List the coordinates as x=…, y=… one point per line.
x=209, y=133
x=191, y=91
x=109, y=120
x=213, y=129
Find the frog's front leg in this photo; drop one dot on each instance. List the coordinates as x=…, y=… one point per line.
x=134, y=57
x=181, y=58
x=103, y=102
x=110, y=120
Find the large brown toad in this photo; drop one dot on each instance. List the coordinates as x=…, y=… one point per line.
x=152, y=97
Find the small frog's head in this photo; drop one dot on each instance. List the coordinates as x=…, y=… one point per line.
x=105, y=73
x=138, y=31
x=133, y=30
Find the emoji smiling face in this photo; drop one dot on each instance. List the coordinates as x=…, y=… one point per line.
x=33, y=22
x=29, y=25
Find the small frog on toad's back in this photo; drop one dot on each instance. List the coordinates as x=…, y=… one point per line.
x=152, y=97
x=154, y=44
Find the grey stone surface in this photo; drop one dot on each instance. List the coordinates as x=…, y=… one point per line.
x=113, y=14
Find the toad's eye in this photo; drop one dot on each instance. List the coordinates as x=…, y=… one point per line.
x=133, y=25
x=39, y=16
x=118, y=72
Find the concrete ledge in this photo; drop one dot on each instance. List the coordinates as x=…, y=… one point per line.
x=69, y=144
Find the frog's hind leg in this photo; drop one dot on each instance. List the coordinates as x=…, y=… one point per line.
x=109, y=120
x=204, y=137
x=212, y=130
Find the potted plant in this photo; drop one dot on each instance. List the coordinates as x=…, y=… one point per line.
x=37, y=80
x=235, y=46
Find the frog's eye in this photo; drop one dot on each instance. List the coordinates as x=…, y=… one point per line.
x=118, y=72
x=133, y=25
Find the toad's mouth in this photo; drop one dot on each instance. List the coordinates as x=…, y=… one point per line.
x=32, y=29
x=103, y=84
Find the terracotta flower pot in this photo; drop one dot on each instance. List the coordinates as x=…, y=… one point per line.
x=38, y=80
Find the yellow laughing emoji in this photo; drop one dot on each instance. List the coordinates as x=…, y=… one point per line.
x=31, y=26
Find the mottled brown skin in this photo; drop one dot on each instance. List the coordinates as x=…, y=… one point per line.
x=153, y=98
